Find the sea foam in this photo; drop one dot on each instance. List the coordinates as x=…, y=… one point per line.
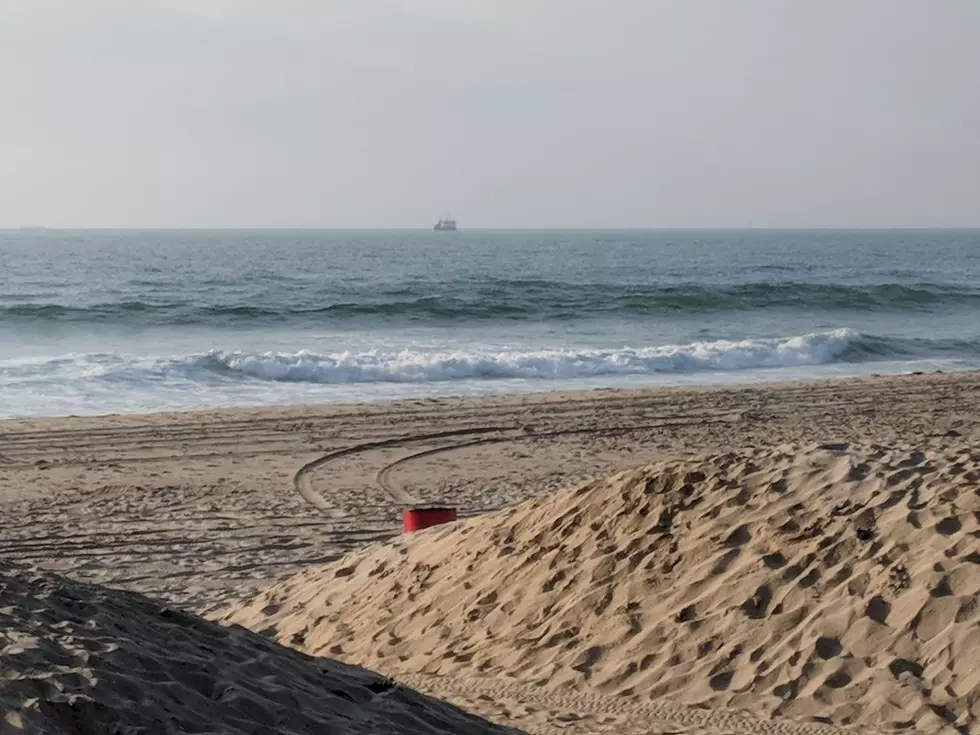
x=418, y=366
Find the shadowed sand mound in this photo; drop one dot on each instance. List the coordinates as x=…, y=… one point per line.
x=82, y=659
x=836, y=582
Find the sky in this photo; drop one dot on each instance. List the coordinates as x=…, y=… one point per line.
x=506, y=113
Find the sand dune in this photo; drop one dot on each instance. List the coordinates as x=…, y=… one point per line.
x=83, y=659
x=835, y=583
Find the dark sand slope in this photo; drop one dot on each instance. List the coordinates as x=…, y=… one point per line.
x=829, y=584
x=78, y=658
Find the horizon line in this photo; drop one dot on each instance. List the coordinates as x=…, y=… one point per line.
x=319, y=228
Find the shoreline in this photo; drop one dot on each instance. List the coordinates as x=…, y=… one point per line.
x=542, y=396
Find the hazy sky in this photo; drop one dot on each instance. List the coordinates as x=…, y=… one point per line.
x=509, y=113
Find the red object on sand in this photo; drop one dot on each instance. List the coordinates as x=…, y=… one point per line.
x=415, y=519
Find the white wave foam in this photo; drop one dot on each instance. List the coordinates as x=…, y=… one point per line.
x=110, y=382
x=417, y=366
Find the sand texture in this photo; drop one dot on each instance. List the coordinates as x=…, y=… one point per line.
x=817, y=586
x=82, y=659
x=831, y=582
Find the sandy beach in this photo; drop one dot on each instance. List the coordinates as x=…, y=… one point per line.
x=275, y=518
x=427, y=367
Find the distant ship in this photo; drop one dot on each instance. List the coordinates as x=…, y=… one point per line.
x=445, y=225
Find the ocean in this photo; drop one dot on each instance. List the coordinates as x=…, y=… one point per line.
x=97, y=322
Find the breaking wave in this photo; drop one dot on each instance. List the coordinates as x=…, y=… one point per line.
x=416, y=366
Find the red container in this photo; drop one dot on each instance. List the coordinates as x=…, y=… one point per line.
x=415, y=519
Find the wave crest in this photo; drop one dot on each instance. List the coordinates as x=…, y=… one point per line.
x=415, y=366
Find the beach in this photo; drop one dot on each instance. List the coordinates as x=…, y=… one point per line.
x=210, y=510
x=485, y=368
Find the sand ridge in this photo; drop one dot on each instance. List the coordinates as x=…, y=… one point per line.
x=834, y=581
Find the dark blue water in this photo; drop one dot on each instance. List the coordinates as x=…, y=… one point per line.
x=97, y=322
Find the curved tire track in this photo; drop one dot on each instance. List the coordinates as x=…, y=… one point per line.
x=301, y=480
x=382, y=476
x=303, y=484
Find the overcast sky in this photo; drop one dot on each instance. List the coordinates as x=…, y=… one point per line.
x=509, y=113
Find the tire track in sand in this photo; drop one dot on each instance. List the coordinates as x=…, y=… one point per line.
x=302, y=479
x=589, y=713
x=303, y=485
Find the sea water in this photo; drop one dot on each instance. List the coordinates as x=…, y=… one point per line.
x=95, y=322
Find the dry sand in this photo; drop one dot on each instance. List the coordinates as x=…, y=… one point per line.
x=208, y=510
x=832, y=582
